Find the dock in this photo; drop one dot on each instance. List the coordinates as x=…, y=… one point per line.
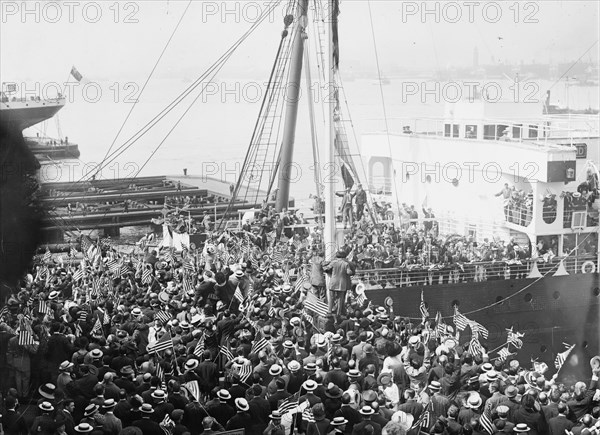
x=109, y=205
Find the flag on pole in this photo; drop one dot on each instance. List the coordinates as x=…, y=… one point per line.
x=164, y=343
x=78, y=275
x=199, y=349
x=76, y=74
x=163, y=316
x=475, y=347
x=259, y=345
x=25, y=337
x=503, y=354
x=514, y=338
x=315, y=304
x=302, y=278
x=43, y=308
x=47, y=255
x=146, y=276
x=486, y=423
x=561, y=358
x=477, y=328
x=193, y=388
x=245, y=371
x=97, y=329
x=423, y=308
x=238, y=294
x=288, y=404
x=226, y=353
x=440, y=326
x=460, y=321
x=423, y=420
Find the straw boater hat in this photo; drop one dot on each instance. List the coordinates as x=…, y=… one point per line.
x=46, y=407
x=521, y=427
x=224, y=395
x=338, y=421
x=91, y=410
x=474, y=401
x=83, y=428
x=242, y=404
x=47, y=391
x=191, y=364
x=146, y=408
x=366, y=410
x=309, y=385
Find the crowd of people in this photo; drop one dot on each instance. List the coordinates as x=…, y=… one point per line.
x=237, y=337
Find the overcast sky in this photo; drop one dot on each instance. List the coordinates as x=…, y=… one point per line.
x=542, y=31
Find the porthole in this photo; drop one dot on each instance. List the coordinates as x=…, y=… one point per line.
x=499, y=299
x=528, y=297
x=556, y=295
x=584, y=344
x=455, y=303
x=597, y=291
x=543, y=348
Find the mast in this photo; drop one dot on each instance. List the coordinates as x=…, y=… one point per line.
x=292, y=92
x=330, y=166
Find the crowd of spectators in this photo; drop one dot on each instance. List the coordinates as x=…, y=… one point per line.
x=212, y=344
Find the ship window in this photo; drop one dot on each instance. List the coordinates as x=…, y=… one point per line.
x=499, y=299
x=584, y=344
x=455, y=303
x=543, y=348
x=516, y=131
x=489, y=132
x=447, y=129
x=597, y=292
x=471, y=132
x=528, y=297
x=578, y=220
x=455, y=128
x=556, y=295
x=533, y=131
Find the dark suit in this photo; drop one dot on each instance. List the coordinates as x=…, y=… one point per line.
x=148, y=427
x=359, y=428
x=352, y=415
x=13, y=423
x=559, y=424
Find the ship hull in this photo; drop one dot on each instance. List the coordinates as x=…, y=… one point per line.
x=56, y=152
x=549, y=311
x=22, y=118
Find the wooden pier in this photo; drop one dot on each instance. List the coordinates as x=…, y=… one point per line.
x=110, y=205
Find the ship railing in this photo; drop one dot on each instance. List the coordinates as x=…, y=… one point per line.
x=37, y=99
x=386, y=275
x=531, y=130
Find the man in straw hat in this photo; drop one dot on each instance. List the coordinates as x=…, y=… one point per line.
x=340, y=270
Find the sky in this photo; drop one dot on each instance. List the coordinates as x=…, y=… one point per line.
x=108, y=40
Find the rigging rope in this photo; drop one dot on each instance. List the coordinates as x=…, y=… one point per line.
x=147, y=81
x=385, y=117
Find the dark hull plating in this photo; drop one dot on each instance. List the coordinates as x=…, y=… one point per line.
x=550, y=311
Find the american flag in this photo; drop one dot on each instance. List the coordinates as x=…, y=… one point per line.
x=25, y=334
x=486, y=423
x=43, y=308
x=188, y=265
x=226, y=353
x=160, y=374
x=423, y=420
x=514, y=338
x=503, y=354
x=123, y=270
x=238, y=294
x=289, y=403
x=277, y=257
x=307, y=316
x=106, y=243
x=188, y=285
x=302, y=278
x=164, y=343
x=97, y=326
x=460, y=321
x=199, y=349
x=561, y=358
x=3, y=312
x=423, y=307
x=440, y=326
x=254, y=262
x=167, y=424
x=245, y=371
x=113, y=265
x=477, y=328
x=193, y=388
x=259, y=345
x=73, y=251
x=475, y=347
x=286, y=276
x=47, y=255
x=86, y=244
x=77, y=275
x=168, y=256
x=307, y=415
x=315, y=304
x=83, y=316
x=146, y=276
x=361, y=299
x=163, y=316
